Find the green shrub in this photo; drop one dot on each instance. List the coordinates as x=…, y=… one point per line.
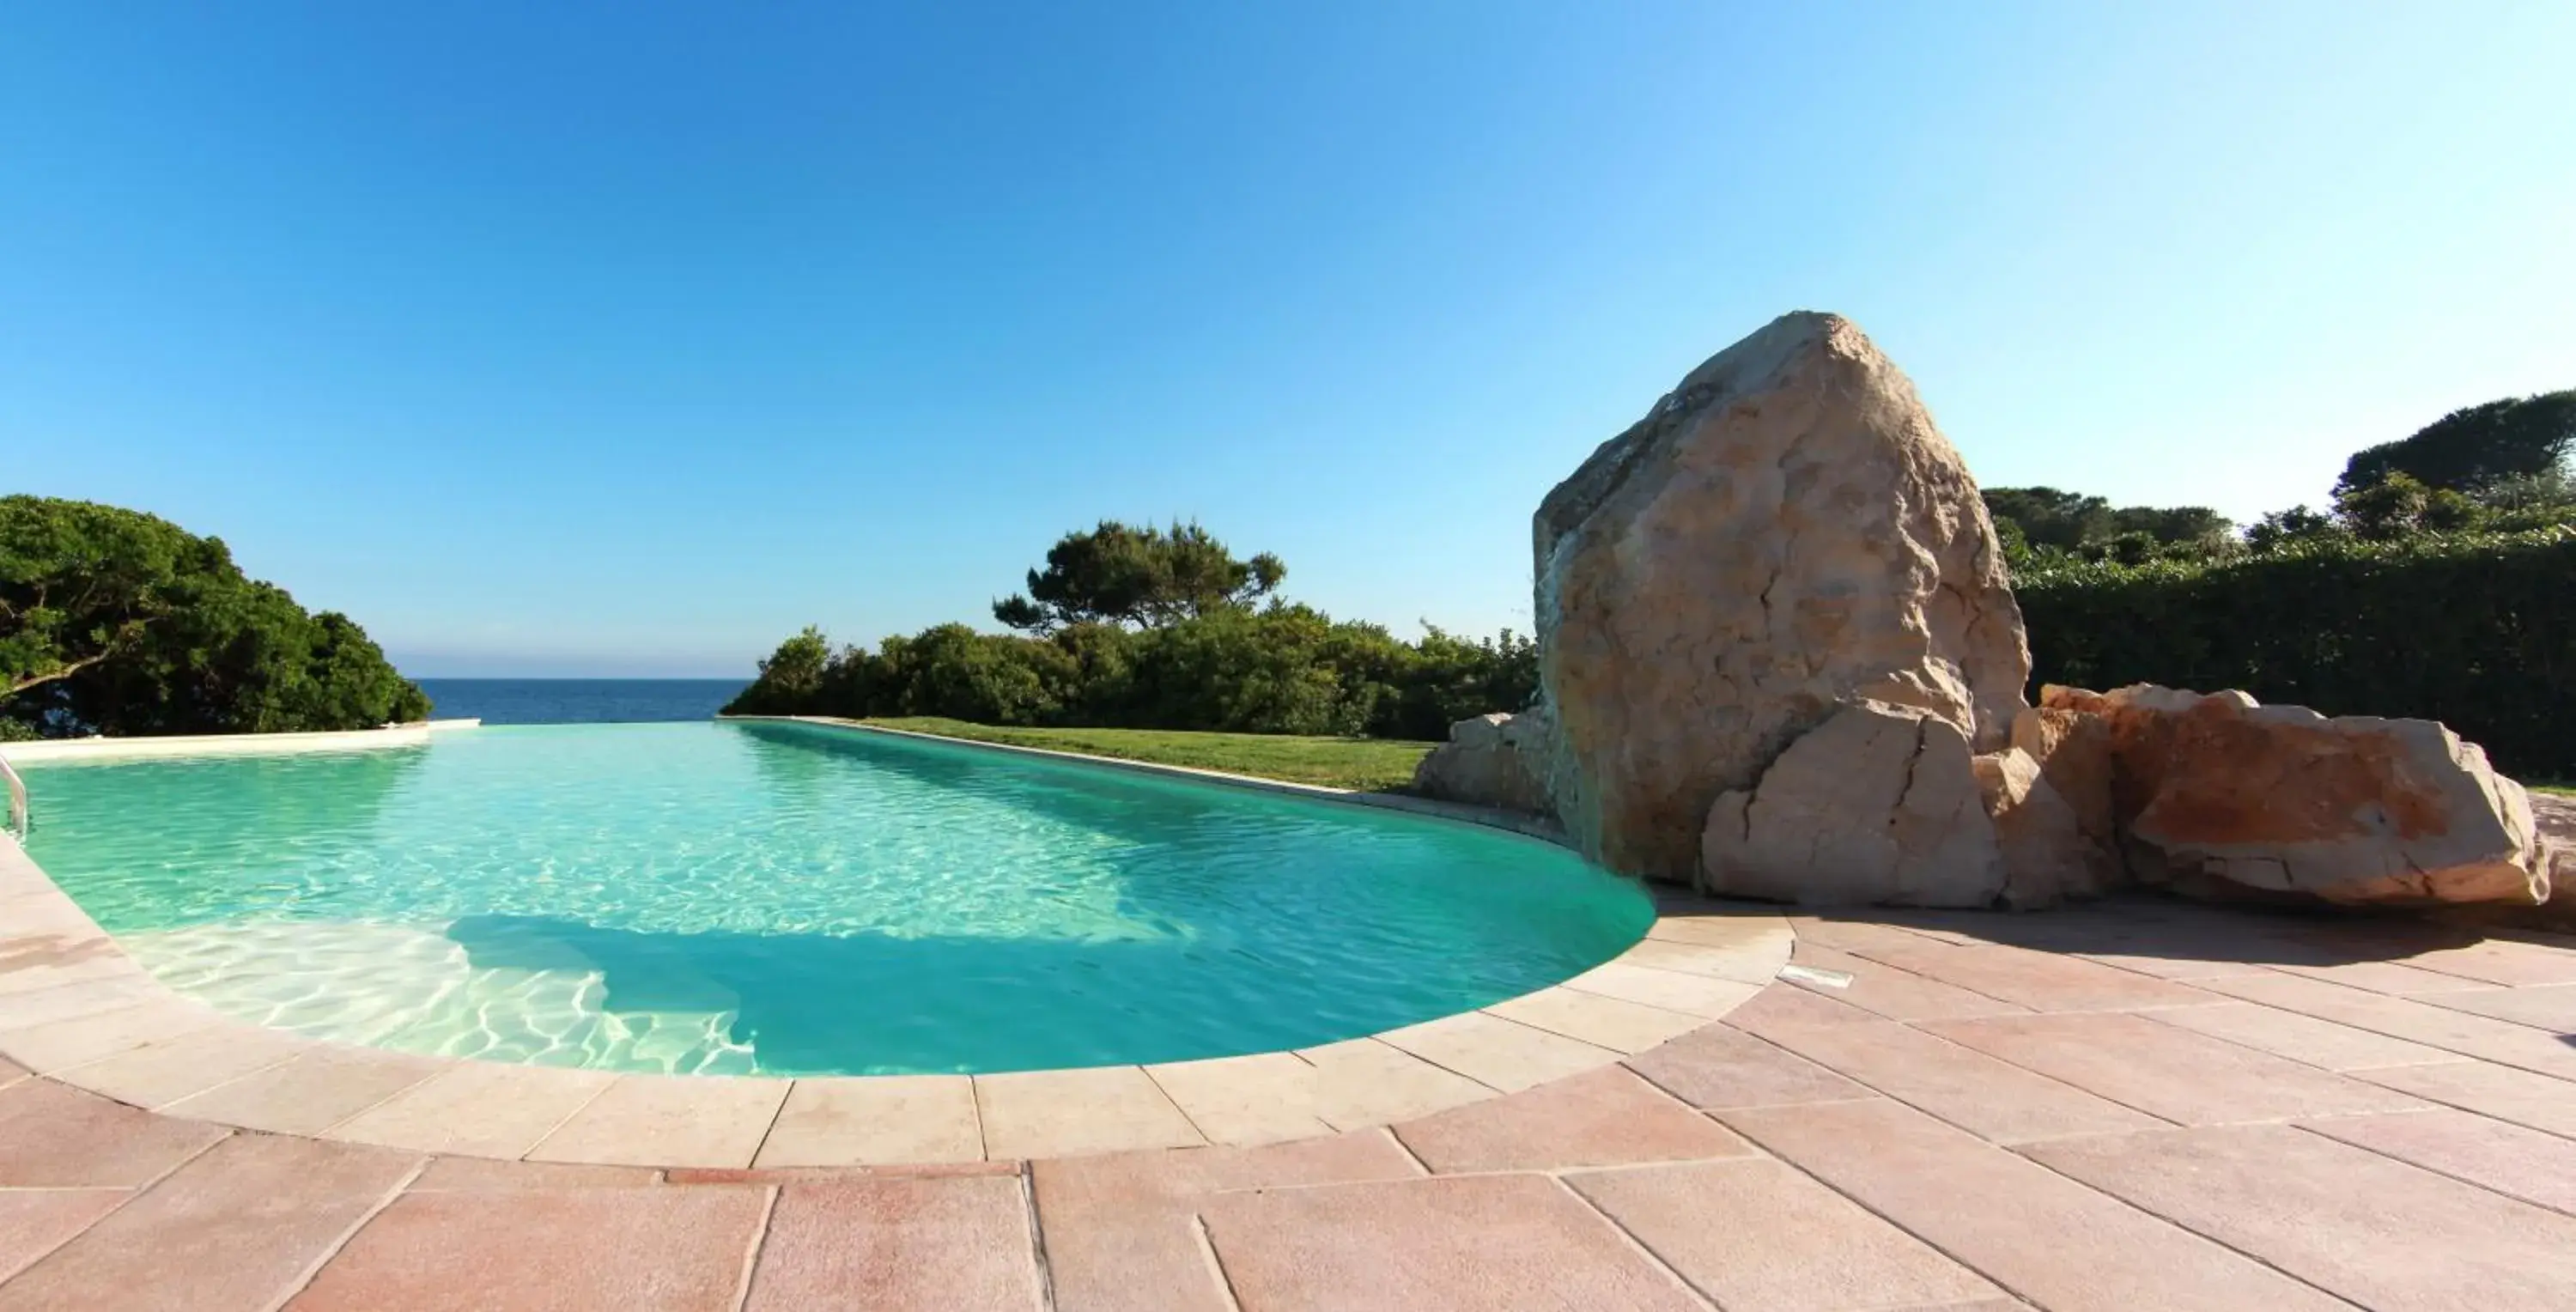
x=2477, y=631
x=122, y=623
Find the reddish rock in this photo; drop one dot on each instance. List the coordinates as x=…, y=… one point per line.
x=2215, y=795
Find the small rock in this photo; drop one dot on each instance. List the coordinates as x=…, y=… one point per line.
x=2216, y=793
x=1488, y=761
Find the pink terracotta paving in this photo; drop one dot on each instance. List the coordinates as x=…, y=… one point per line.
x=1983, y=1095
x=1893, y=994
x=1760, y=1236
x=2166, y=1071
x=2136, y=1105
x=236, y=1228
x=894, y=1242
x=2035, y=1232
x=1608, y=1117
x=1122, y=1231
x=1449, y=1244
x=2377, y=1231
x=615, y=1250
x=2498, y=1155
x=2040, y=981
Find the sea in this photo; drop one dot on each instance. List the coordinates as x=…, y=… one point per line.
x=578, y=701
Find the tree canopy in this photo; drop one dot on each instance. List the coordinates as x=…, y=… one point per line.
x=117, y=622
x=2469, y=450
x=1138, y=578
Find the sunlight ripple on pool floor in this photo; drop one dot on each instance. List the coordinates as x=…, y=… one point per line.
x=792, y=899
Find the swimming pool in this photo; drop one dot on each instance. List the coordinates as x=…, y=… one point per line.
x=790, y=899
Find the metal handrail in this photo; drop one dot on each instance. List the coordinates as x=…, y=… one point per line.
x=17, y=797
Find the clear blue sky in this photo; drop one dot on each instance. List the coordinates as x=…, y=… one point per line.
x=602, y=339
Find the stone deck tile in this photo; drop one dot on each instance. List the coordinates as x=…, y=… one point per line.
x=668, y=1120
x=1757, y=964
x=2382, y=1233
x=34, y=1222
x=2541, y=1102
x=1884, y=990
x=484, y=1175
x=2057, y=1243
x=2300, y=1038
x=1498, y=1053
x=2503, y=960
x=1065, y=1113
x=1258, y=1099
x=23, y=971
x=1120, y=1232
x=896, y=1243
x=2390, y=977
x=1608, y=1117
x=1757, y=1236
x=562, y=1250
x=74, y=999
x=1696, y=995
x=2165, y=1071
x=2550, y=1007
x=2038, y=980
x=1987, y=1097
x=1460, y=1242
x=158, y=1074
x=875, y=1121
x=235, y=1228
x=10, y=1072
x=2408, y=1018
x=1721, y=1067
x=57, y=1045
x=1363, y=1082
x=476, y=1109
x=1850, y=935
x=52, y=1137
x=310, y=1093
x=1786, y=1005
x=2507, y=1158
x=1606, y=1022
x=1758, y=930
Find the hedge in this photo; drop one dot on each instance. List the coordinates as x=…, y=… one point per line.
x=2477, y=631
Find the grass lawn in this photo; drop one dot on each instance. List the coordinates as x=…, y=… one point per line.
x=2561, y=788
x=1373, y=764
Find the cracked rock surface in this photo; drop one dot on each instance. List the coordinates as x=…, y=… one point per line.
x=2216, y=795
x=1783, y=542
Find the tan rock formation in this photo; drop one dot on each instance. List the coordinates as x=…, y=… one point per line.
x=1784, y=534
x=2215, y=792
x=2048, y=853
x=1880, y=803
x=1489, y=761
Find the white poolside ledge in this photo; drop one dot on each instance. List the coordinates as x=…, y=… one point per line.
x=76, y=1009
x=226, y=744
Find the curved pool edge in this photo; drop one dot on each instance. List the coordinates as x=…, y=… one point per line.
x=75, y=1009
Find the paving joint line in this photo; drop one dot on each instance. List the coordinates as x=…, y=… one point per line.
x=752, y=1251
x=1636, y=1245
x=331, y=1251
x=1215, y=1264
x=1028, y=1178
x=2478, y=1185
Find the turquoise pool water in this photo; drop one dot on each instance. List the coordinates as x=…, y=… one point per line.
x=794, y=899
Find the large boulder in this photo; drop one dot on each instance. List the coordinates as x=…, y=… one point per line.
x=1489, y=761
x=1784, y=535
x=2216, y=795
x=1880, y=803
